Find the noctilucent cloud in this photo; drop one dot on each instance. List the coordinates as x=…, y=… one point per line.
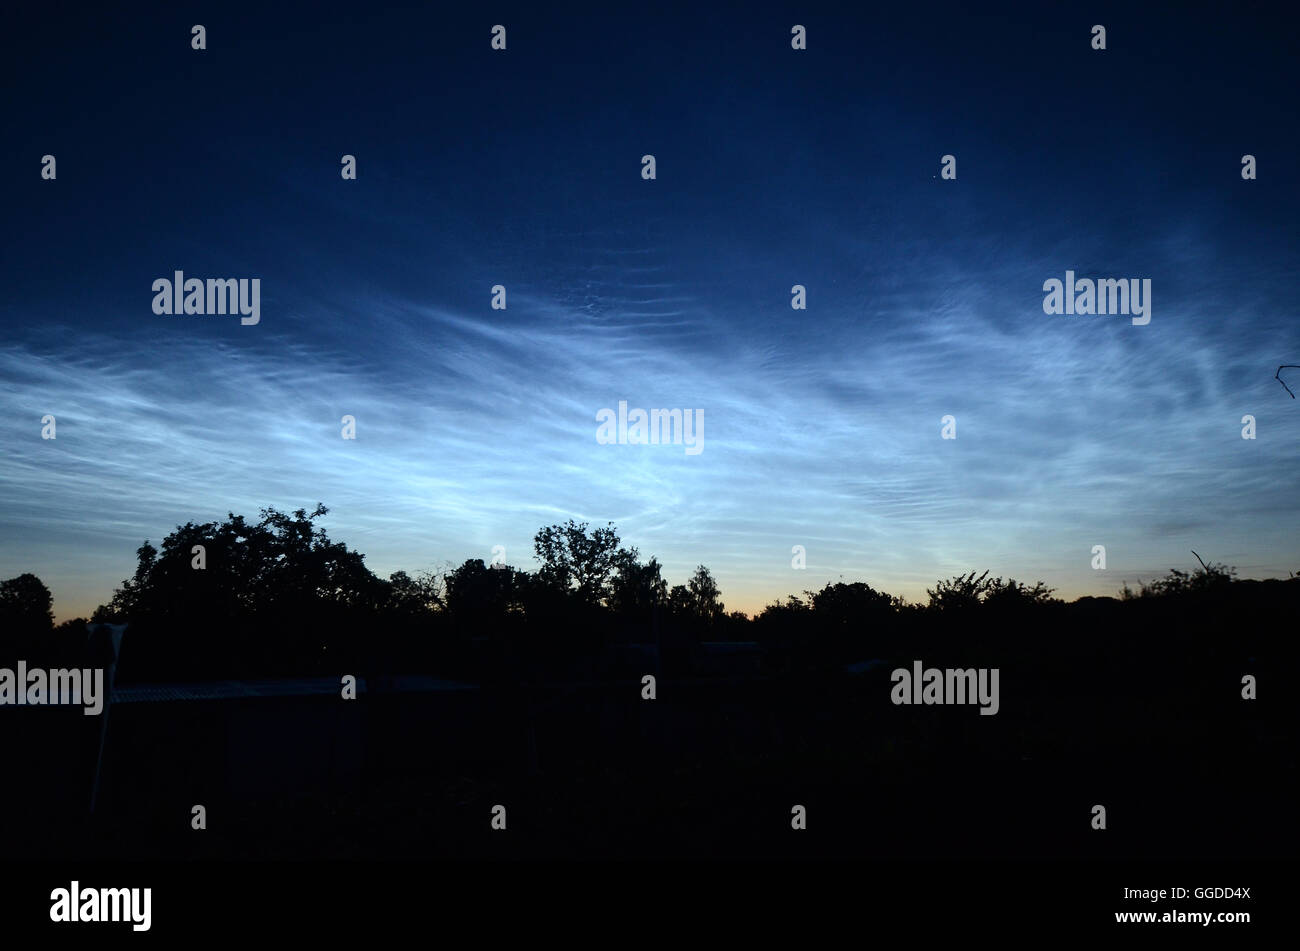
x=775, y=167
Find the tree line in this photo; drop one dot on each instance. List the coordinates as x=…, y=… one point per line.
x=276, y=596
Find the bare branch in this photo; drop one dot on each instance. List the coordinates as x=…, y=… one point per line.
x=1278, y=375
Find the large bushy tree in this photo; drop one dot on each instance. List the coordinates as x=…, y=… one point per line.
x=578, y=560
x=272, y=596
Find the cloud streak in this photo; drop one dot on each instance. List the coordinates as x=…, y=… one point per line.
x=474, y=430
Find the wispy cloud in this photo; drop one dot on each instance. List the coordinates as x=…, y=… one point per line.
x=474, y=430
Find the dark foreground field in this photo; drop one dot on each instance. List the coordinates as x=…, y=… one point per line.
x=1135, y=706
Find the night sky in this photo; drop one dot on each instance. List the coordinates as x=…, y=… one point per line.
x=775, y=167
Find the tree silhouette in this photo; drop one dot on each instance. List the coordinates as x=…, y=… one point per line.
x=1012, y=594
x=1209, y=577
x=704, y=597
x=415, y=597
x=577, y=560
x=962, y=592
x=479, y=593
x=637, y=589
x=26, y=618
x=274, y=595
x=959, y=593
x=26, y=602
x=846, y=605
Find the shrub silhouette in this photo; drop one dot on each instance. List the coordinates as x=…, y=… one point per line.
x=1208, y=578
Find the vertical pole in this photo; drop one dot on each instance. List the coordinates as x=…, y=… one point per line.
x=109, y=674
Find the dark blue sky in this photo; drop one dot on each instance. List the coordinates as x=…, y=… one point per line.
x=774, y=167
